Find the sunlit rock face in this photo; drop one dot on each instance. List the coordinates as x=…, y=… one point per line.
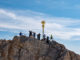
x=29, y=48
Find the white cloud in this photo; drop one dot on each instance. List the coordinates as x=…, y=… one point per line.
x=9, y=26
x=12, y=15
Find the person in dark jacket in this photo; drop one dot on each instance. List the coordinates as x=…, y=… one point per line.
x=34, y=34
x=30, y=33
x=20, y=33
x=38, y=36
x=47, y=39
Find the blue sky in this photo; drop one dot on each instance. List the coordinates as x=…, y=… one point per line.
x=62, y=19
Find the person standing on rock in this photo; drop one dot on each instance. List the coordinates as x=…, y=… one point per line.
x=38, y=36
x=47, y=40
x=51, y=37
x=34, y=34
x=44, y=36
x=20, y=34
x=30, y=33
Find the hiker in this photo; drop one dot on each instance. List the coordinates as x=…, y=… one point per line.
x=51, y=37
x=20, y=33
x=38, y=36
x=34, y=34
x=44, y=36
x=47, y=39
x=30, y=33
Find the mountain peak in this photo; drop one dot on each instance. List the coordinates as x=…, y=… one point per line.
x=30, y=48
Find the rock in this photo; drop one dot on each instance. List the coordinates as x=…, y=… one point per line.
x=29, y=48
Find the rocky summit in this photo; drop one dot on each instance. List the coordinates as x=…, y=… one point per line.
x=30, y=48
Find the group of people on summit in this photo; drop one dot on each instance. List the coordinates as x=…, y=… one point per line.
x=33, y=34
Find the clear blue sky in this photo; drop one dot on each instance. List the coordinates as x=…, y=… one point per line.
x=62, y=19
